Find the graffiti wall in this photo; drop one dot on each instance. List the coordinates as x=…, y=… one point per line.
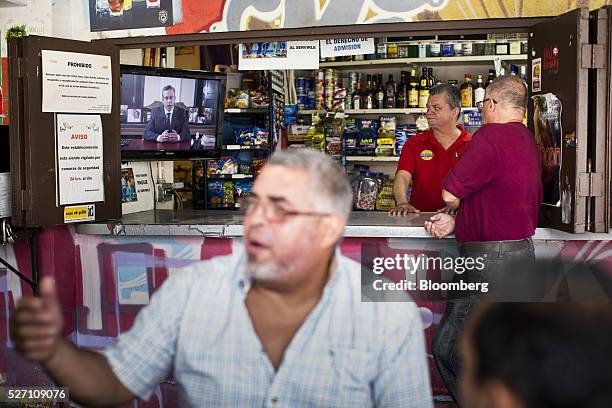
x=104, y=281
x=192, y=16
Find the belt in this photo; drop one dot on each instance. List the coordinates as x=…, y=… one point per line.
x=495, y=246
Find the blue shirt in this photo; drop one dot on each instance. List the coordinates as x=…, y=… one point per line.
x=345, y=354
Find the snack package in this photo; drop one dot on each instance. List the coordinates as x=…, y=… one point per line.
x=228, y=193
x=318, y=139
x=349, y=136
x=259, y=99
x=387, y=126
x=366, y=139
x=258, y=165
x=245, y=167
x=402, y=134
x=213, y=167
x=237, y=98
x=228, y=165
x=242, y=189
x=245, y=136
x=261, y=136
x=308, y=137
x=385, y=146
x=215, y=193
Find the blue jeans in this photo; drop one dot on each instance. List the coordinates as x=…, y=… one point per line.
x=444, y=345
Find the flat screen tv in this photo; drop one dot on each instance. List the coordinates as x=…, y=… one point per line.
x=170, y=113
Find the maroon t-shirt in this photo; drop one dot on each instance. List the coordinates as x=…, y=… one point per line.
x=498, y=182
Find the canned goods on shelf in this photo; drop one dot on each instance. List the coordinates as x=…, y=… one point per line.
x=300, y=82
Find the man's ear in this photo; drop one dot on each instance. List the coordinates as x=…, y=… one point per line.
x=333, y=227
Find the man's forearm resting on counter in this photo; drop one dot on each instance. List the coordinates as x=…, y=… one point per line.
x=450, y=199
x=401, y=182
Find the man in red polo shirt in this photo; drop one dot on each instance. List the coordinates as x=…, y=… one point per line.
x=428, y=156
x=498, y=190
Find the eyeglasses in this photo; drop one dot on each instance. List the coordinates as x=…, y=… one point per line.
x=483, y=102
x=273, y=211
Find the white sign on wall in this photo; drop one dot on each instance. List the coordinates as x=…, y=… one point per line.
x=80, y=159
x=338, y=47
x=76, y=83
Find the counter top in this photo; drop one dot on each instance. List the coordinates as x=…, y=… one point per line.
x=225, y=223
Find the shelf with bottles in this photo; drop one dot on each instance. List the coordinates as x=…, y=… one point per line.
x=394, y=111
x=471, y=48
x=479, y=59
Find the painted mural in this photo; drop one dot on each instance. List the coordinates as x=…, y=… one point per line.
x=193, y=16
x=104, y=281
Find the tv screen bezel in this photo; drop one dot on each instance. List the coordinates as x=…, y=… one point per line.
x=179, y=154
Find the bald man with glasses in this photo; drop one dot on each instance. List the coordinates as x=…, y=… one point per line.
x=497, y=189
x=278, y=324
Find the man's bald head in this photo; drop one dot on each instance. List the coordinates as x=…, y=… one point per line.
x=510, y=91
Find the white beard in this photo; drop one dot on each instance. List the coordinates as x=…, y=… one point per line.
x=265, y=272
x=273, y=270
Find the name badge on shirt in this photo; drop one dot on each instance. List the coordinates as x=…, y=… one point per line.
x=427, y=155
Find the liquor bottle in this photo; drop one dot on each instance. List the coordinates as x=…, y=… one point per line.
x=523, y=74
x=369, y=94
x=491, y=78
x=401, y=99
x=479, y=92
x=413, y=90
x=381, y=49
x=467, y=92
x=390, y=92
x=423, y=90
x=380, y=93
x=357, y=97
x=431, y=80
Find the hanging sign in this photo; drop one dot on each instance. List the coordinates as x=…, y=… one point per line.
x=76, y=83
x=338, y=47
x=279, y=55
x=79, y=158
x=548, y=135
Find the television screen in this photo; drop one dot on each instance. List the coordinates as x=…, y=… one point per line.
x=167, y=112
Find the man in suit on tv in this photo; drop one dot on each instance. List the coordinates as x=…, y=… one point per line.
x=168, y=122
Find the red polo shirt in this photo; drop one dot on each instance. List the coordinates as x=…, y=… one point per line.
x=427, y=161
x=499, y=185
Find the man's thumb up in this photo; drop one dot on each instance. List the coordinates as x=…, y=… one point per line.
x=36, y=325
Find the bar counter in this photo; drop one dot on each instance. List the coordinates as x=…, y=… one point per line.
x=228, y=224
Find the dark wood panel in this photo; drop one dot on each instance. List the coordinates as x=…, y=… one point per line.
x=33, y=135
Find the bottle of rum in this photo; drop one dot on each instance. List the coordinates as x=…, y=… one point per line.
x=380, y=92
x=492, y=76
x=467, y=92
x=431, y=80
x=390, y=91
x=401, y=98
x=423, y=89
x=357, y=97
x=369, y=94
x=413, y=90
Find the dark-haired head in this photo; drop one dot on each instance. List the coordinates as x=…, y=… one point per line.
x=538, y=355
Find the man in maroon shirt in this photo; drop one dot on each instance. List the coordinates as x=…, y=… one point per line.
x=497, y=190
x=428, y=156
